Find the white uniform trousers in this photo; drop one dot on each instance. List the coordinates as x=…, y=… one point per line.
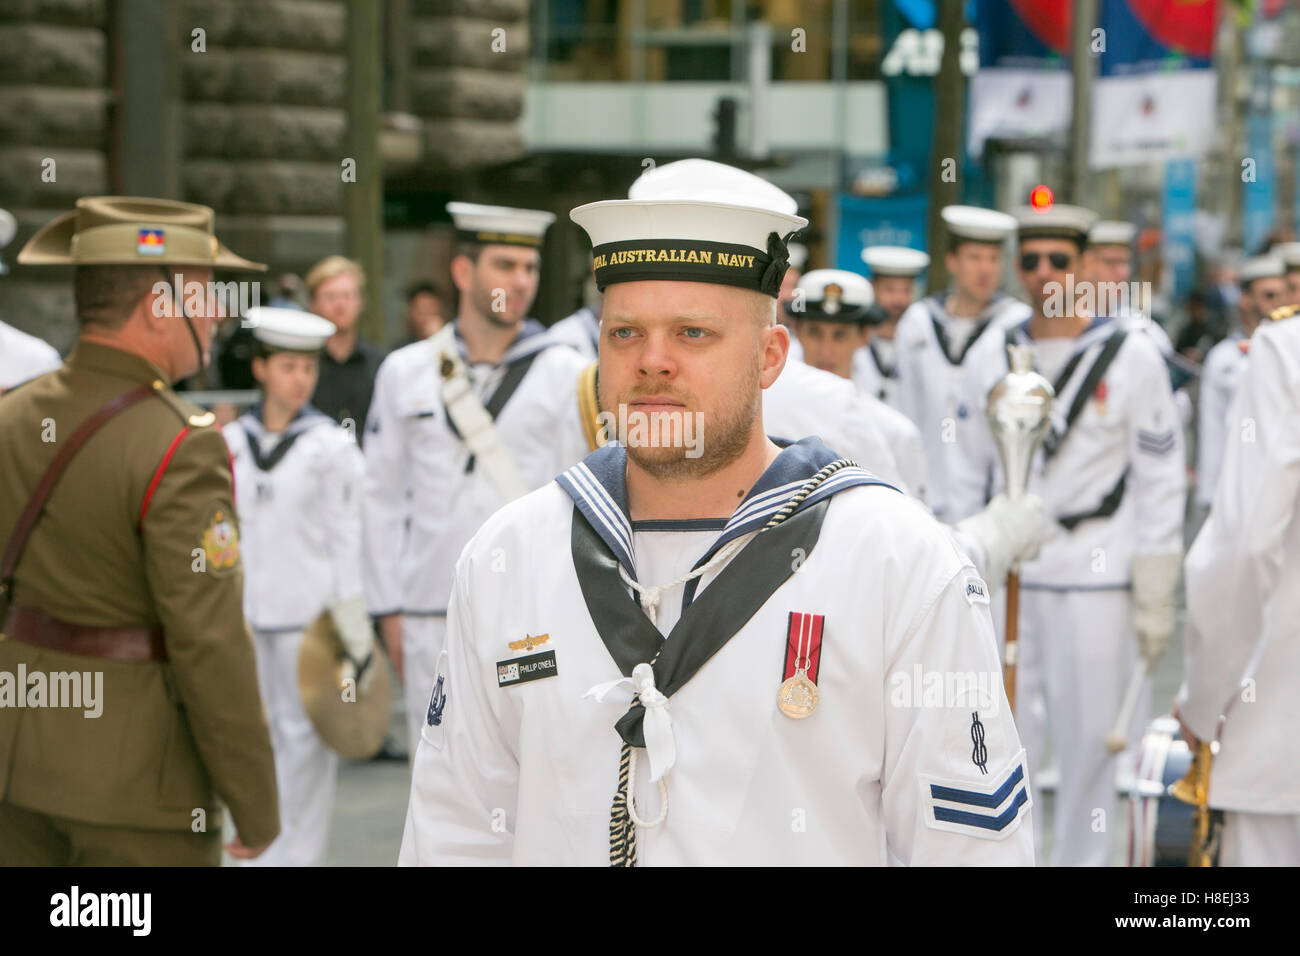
x=1260, y=839
x=422, y=642
x=1077, y=653
x=306, y=771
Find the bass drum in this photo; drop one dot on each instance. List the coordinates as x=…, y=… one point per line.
x=1159, y=826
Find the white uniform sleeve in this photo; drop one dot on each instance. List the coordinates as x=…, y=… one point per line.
x=1157, y=475
x=1211, y=427
x=977, y=472
x=384, y=499
x=955, y=785
x=1233, y=567
x=464, y=784
x=342, y=473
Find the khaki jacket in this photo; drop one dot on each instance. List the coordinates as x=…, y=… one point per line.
x=172, y=737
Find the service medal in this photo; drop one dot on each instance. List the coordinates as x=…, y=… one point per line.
x=798, y=696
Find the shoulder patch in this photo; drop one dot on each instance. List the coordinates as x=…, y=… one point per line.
x=989, y=810
x=976, y=591
x=220, y=543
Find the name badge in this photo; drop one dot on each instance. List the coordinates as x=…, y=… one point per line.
x=523, y=669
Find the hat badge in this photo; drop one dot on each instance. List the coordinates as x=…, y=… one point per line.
x=831, y=297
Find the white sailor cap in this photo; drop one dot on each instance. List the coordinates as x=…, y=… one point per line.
x=8, y=227
x=1289, y=253
x=976, y=224
x=895, y=261
x=289, y=330
x=500, y=225
x=798, y=255
x=1059, y=221
x=832, y=295
x=1260, y=267
x=693, y=221
x=1112, y=232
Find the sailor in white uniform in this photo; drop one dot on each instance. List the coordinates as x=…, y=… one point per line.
x=1111, y=475
x=1263, y=288
x=894, y=271
x=298, y=493
x=567, y=730
x=22, y=356
x=828, y=309
x=936, y=334
x=462, y=422
x=1289, y=253
x=1108, y=267
x=1243, y=614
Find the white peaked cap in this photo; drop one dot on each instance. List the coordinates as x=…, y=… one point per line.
x=980, y=225
x=895, y=261
x=833, y=294
x=290, y=329
x=500, y=224
x=1112, y=232
x=1260, y=267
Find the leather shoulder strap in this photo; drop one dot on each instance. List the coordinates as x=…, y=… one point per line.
x=44, y=488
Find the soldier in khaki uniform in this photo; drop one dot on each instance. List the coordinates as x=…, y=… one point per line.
x=131, y=569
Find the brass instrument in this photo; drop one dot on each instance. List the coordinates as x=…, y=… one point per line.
x=1194, y=789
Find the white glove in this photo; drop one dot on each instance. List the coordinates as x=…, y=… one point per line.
x=1004, y=533
x=354, y=629
x=1155, y=579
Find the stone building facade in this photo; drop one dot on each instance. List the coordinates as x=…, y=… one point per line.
x=240, y=105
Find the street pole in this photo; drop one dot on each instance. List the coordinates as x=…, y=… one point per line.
x=945, y=139
x=1081, y=68
x=363, y=199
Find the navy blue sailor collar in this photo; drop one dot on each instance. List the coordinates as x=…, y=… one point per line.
x=1098, y=330
x=598, y=487
x=309, y=416
x=532, y=338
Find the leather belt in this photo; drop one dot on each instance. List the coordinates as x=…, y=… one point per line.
x=129, y=644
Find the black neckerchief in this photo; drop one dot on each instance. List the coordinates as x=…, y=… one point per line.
x=308, y=417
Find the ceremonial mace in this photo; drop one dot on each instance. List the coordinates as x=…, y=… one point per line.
x=1019, y=412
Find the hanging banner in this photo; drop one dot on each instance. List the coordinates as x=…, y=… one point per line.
x=1179, y=225
x=1022, y=87
x=1154, y=96
x=888, y=221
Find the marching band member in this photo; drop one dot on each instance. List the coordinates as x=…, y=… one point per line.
x=937, y=333
x=1243, y=616
x=1263, y=288
x=759, y=749
x=298, y=494
x=462, y=422
x=894, y=270
x=1111, y=475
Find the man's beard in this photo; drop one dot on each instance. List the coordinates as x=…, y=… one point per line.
x=723, y=438
x=483, y=303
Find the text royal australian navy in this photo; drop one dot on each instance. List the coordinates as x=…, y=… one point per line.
x=705, y=256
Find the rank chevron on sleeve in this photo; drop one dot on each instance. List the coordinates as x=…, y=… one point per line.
x=989, y=812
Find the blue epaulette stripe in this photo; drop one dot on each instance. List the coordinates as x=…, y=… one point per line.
x=974, y=797
x=967, y=818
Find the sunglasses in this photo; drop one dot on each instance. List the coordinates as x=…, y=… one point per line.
x=1059, y=260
